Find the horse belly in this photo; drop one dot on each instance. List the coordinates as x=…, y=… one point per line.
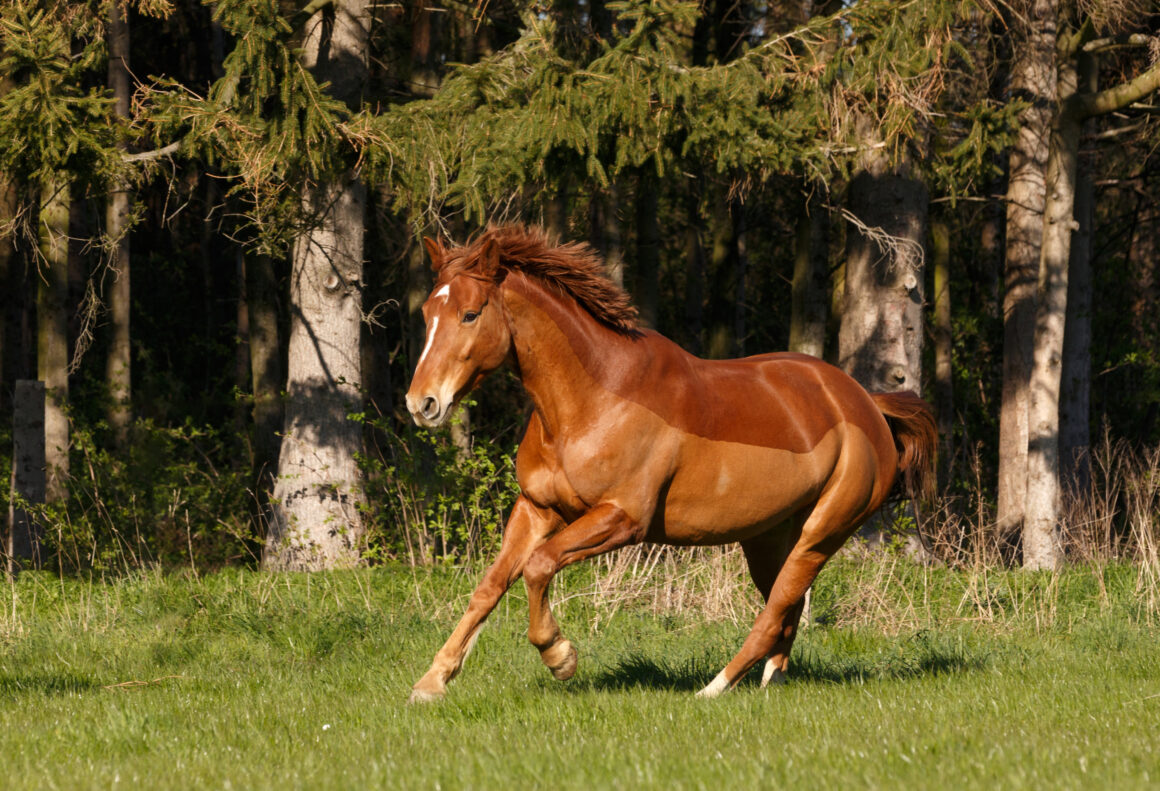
x=726, y=491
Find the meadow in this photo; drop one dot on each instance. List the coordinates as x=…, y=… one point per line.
x=907, y=677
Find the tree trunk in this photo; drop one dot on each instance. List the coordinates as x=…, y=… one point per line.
x=28, y=476
x=118, y=364
x=243, y=369
x=52, y=330
x=740, y=275
x=944, y=392
x=609, y=243
x=648, y=242
x=424, y=49
x=266, y=374
x=1075, y=396
x=556, y=211
x=1042, y=533
x=809, y=291
x=315, y=521
x=1033, y=78
x=13, y=285
x=880, y=338
x=316, y=517
x=694, y=272
x=418, y=287
x=719, y=343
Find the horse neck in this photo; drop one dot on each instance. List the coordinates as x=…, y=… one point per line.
x=561, y=351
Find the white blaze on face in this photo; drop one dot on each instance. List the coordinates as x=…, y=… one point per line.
x=444, y=293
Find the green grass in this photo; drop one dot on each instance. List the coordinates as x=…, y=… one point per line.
x=921, y=679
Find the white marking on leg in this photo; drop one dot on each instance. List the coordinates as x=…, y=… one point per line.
x=430, y=339
x=772, y=674
x=717, y=686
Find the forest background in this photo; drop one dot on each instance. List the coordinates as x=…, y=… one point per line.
x=211, y=214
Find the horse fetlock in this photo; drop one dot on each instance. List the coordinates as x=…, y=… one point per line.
x=717, y=687
x=772, y=674
x=561, y=658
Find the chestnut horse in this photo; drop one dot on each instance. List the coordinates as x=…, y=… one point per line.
x=632, y=439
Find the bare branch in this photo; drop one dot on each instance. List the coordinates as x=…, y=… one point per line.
x=1087, y=105
x=1113, y=42
x=899, y=251
x=149, y=156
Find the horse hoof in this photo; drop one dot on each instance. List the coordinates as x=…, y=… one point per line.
x=561, y=659
x=424, y=696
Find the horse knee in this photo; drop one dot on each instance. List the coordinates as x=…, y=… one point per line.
x=539, y=569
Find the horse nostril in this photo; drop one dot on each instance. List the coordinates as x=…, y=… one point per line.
x=430, y=408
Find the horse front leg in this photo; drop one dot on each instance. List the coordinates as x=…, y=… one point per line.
x=603, y=529
x=527, y=528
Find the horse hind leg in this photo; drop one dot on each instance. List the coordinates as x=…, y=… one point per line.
x=765, y=555
x=836, y=515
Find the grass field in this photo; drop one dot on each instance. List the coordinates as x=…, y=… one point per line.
x=912, y=678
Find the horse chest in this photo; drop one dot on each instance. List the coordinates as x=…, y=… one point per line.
x=569, y=479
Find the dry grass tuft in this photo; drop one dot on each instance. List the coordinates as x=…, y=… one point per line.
x=711, y=581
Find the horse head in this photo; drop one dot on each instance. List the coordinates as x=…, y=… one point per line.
x=467, y=333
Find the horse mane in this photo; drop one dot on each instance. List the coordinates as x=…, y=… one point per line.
x=574, y=269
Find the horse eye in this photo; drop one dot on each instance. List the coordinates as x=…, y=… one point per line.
x=470, y=316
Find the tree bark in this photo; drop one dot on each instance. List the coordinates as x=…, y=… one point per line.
x=52, y=329
x=266, y=373
x=944, y=388
x=606, y=235
x=648, y=243
x=315, y=519
x=880, y=338
x=28, y=476
x=12, y=285
x=315, y=516
x=1033, y=79
x=741, y=272
x=556, y=211
x=425, y=50
x=118, y=364
x=719, y=341
x=809, y=291
x=1042, y=533
x=1075, y=395
x=694, y=271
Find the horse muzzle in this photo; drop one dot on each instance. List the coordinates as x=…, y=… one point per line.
x=429, y=411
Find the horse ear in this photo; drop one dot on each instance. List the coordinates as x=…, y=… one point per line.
x=436, y=252
x=489, y=257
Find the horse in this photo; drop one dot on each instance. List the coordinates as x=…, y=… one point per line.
x=633, y=439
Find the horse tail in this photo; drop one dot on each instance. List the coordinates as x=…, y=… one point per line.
x=912, y=424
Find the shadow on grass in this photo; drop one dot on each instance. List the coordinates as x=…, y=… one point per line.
x=45, y=684
x=637, y=671
x=917, y=657
x=890, y=667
